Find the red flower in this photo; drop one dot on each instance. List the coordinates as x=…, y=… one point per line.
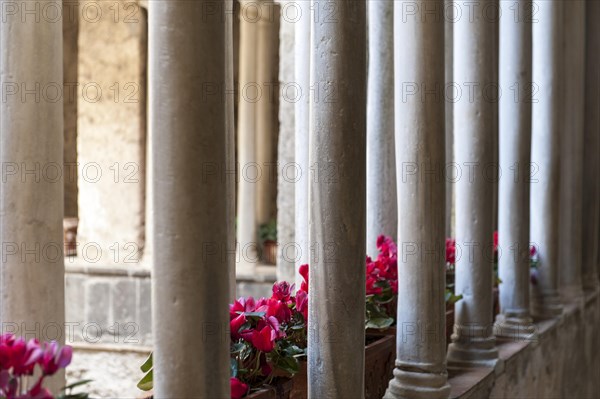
x=264, y=340
x=279, y=310
x=235, y=324
x=495, y=241
x=302, y=303
x=240, y=306
x=282, y=291
x=532, y=251
x=304, y=273
x=25, y=356
x=371, y=289
x=238, y=388
x=54, y=358
x=450, y=251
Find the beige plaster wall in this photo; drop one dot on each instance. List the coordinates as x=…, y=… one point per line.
x=111, y=131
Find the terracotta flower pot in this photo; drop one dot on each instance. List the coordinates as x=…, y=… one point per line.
x=270, y=252
x=449, y=327
x=380, y=354
x=281, y=389
x=496, y=294
x=70, y=236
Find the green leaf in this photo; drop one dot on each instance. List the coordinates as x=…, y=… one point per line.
x=259, y=315
x=380, y=322
x=147, y=364
x=146, y=383
x=288, y=364
x=76, y=384
x=293, y=350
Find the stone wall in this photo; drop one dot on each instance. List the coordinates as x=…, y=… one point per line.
x=563, y=362
x=112, y=128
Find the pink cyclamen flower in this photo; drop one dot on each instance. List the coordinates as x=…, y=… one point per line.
x=238, y=388
x=278, y=309
x=235, y=325
x=302, y=303
x=283, y=291
x=54, y=358
x=264, y=340
x=303, y=270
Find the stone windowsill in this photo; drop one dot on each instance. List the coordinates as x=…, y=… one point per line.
x=261, y=273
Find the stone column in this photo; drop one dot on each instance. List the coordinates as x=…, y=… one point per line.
x=230, y=145
x=571, y=150
x=382, y=212
x=337, y=217
x=265, y=126
x=546, y=128
x=449, y=19
x=249, y=169
x=32, y=194
x=514, y=320
x=288, y=178
x=302, y=54
x=473, y=342
x=190, y=119
x=591, y=149
x=70, y=78
x=420, y=370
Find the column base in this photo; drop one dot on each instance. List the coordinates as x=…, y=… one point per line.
x=515, y=328
x=546, y=306
x=573, y=293
x=467, y=351
x=417, y=385
x=591, y=283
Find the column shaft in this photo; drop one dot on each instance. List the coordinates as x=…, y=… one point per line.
x=337, y=201
x=591, y=149
x=515, y=157
x=474, y=46
x=449, y=60
x=248, y=94
x=190, y=285
x=265, y=126
x=571, y=150
x=382, y=212
x=420, y=370
x=32, y=198
x=302, y=53
x=546, y=127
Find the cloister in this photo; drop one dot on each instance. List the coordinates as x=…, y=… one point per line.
x=149, y=148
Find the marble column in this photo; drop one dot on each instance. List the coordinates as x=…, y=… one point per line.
x=591, y=149
x=420, y=367
x=248, y=172
x=230, y=146
x=70, y=78
x=448, y=96
x=337, y=216
x=302, y=54
x=382, y=212
x=571, y=150
x=32, y=275
x=546, y=128
x=190, y=118
x=265, y=109
x=473, y=342
x=289, y=173
x=514, y=320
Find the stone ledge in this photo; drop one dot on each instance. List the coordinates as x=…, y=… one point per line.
x=244, y=272
x=525, y=366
